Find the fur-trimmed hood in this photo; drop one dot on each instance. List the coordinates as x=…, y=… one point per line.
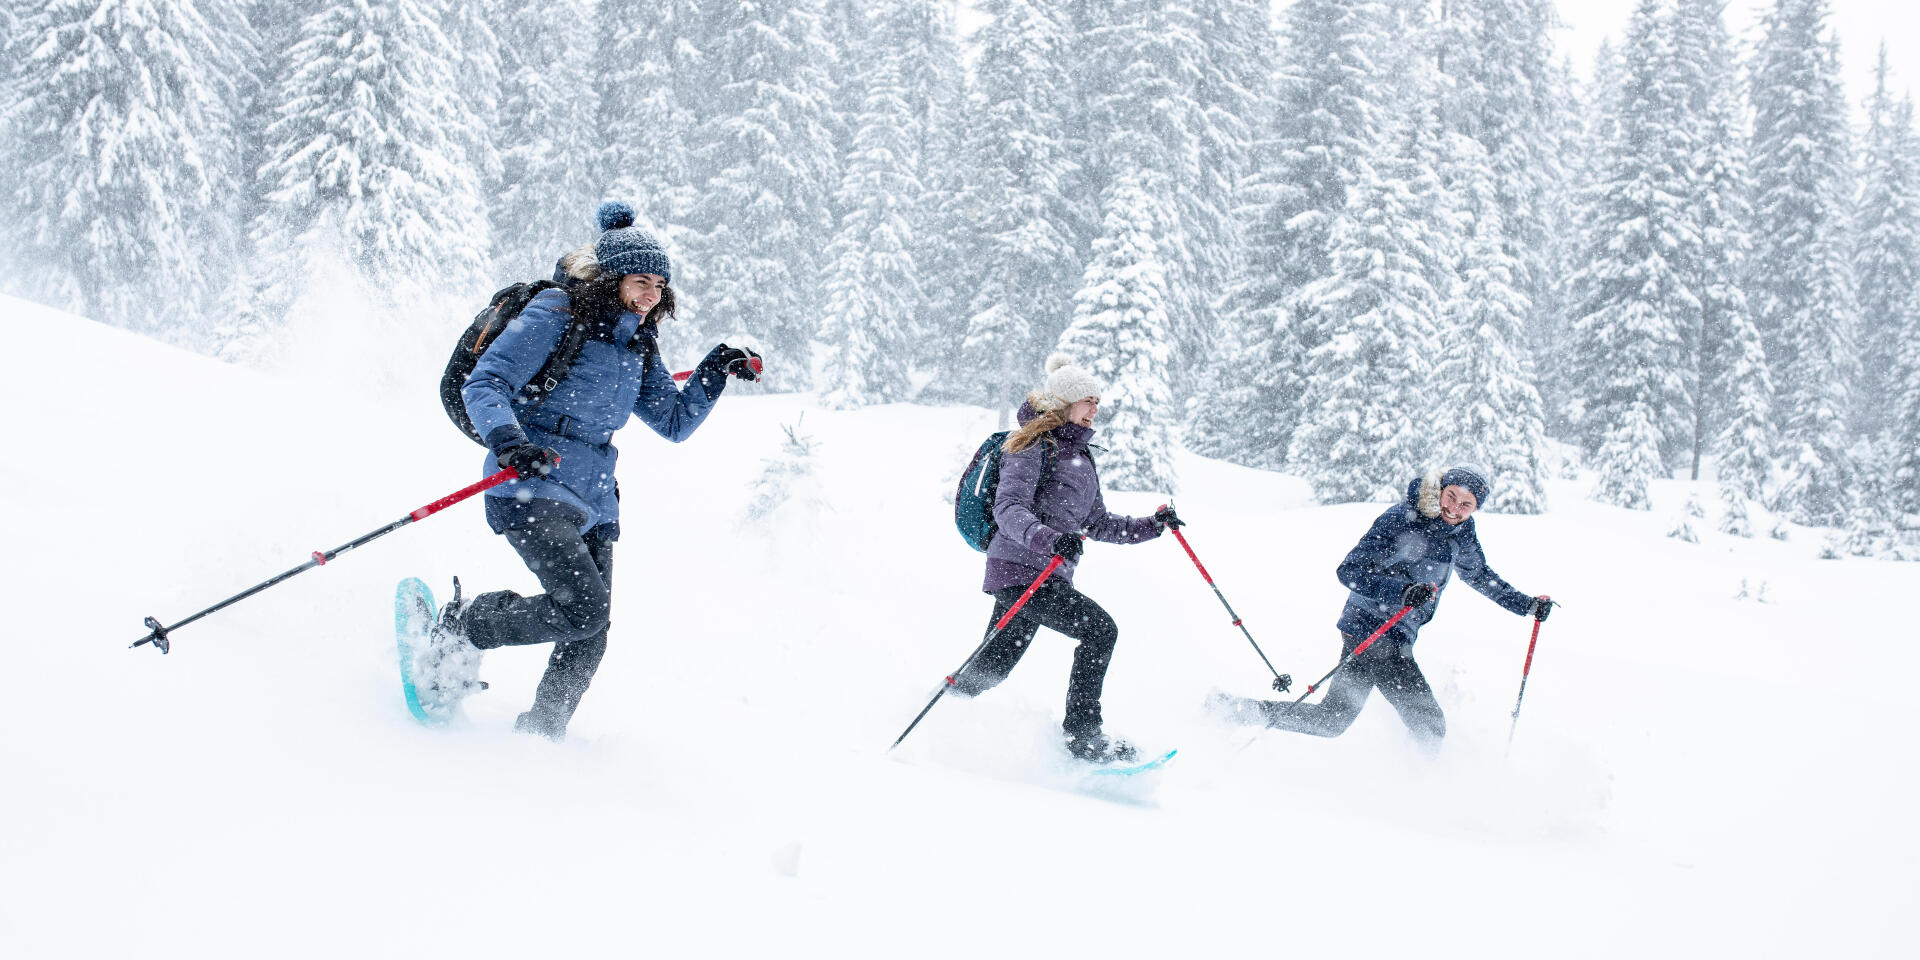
x=577, y=265
x=1425, y=494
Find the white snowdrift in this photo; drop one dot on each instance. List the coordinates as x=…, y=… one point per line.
x=1693, y=774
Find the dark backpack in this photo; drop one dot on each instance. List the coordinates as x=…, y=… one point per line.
x=485, y=329
x=973, y=502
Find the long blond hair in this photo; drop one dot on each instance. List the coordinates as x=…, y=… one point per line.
x=1040, y=425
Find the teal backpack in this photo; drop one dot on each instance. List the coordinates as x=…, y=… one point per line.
x=973, y=502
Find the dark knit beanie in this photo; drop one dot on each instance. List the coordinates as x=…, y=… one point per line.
x=624, y=248
x=1473, y=478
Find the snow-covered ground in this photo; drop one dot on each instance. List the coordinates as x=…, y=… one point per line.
x=1694, y=774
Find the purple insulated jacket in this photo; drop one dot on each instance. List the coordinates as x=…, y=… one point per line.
x=1031, y=515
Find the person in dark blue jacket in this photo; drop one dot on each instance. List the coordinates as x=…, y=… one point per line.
x=1404, y=560
x=563, y=514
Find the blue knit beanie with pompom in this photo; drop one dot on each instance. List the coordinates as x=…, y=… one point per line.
x=624, y=248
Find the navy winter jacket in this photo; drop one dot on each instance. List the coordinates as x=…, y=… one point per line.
x=607, y=384
x=1408, y=543
x=1030, y=515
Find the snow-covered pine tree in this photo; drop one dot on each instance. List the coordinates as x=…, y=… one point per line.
x=1122, y=334
x=1903, y=432
x=1369, y=416
x=550, y=166
x=925, y=42
x=1017, y=225
x=1743, y=399
x=872, y=281
x=365, y=155
x=1490, y=411
x=1230, y=95
x=1632, y=378
x=1146, y=124
x=122, y=148
x=765, y=151
x=1560, y=368
x=1802, y=287
x=1507, y=92
x=1728, y=368
x=1314, y=142
x=1887, y=254
x=471, y=28
x=653, y=83
x=845, y=27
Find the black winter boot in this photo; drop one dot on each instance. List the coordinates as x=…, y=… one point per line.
x=1097, y=747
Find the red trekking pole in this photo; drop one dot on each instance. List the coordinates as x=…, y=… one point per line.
x=1052, y=565
x=1357, y=651
x=158, y=635
x=1281, y=681
x=1526, y=671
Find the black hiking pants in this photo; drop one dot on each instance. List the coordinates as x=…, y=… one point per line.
x=1056, y=606
x=1389, y=666
x=577, y=572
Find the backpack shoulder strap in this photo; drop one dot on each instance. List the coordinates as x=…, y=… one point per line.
x=560, y=361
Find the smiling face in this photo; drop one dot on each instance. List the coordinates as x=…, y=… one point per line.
x=1082, y=411
x=640, y=291
x=1457, y=504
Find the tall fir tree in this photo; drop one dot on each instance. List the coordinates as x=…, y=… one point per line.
x=1014, y=218
x=123, y=120
x=1122, y=333
x=1368, y=410
x=1149, y=128
x=653, y=82
x=1322, y=126
x=1887, y=256
x=549, y=170
x=1802, y=286
x=1484, y=378
x=1632, y=386
x=873, y=283
x=1560, y=368
x=765, y=151
x=1728, y=375
x=926, y=43
x=1903, y=432
x=365, y=157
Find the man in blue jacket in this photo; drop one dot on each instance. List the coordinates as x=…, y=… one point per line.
x=563, y=515
x=1405, y=560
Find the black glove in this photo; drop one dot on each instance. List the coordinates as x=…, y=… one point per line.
x=733, y=361
x=1542, y=605
x=1165, y=517
x=1067, y=546
x=1416, y=594
x=528, y=460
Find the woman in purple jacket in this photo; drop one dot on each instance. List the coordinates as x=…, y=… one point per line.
x=1047, y=500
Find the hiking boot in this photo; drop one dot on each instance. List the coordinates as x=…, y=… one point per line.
x=446, y=668
x=1097, y=747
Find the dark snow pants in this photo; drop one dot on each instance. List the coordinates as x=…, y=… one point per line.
x=1056, y=606
x=1390, y=667
x=577, y=572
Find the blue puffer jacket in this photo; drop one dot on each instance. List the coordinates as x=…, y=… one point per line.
x=1408, y=543
x=605, y=386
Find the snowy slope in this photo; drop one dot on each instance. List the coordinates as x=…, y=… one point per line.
x=1693, y=773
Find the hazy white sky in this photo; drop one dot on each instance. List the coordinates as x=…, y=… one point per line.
x=1861, y=24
